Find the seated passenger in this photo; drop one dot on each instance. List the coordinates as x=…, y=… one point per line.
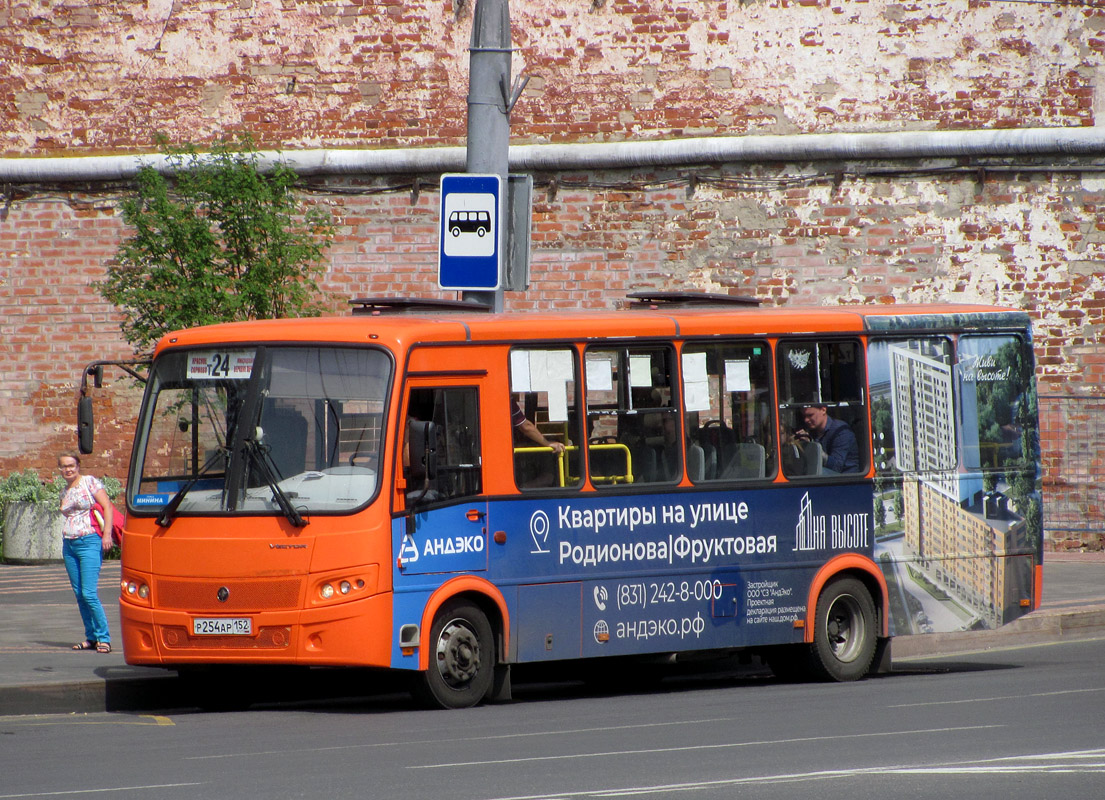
x=839, y=448
x=528, y=472
x=530, y=431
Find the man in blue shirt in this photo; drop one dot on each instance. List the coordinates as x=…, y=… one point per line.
x=839, y=448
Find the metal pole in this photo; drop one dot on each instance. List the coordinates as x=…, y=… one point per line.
x=488, y=111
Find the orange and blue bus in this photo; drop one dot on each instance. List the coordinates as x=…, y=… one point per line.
x=450, y=492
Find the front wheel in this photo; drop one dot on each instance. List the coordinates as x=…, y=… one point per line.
x=462, y=657
x=845, y=634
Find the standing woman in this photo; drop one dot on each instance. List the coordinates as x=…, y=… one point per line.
x=83, y=549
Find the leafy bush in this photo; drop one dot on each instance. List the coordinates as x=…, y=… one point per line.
x=27, y=487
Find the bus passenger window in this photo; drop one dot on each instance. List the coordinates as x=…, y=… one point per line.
x=727, y=399
x=912, y=407
x=997, y=404
x=545, y=420
x=822, y=408
x=632, y=422
x=456, y=416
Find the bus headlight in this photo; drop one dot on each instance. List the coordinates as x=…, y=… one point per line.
x=134, y=590
x=335, y=587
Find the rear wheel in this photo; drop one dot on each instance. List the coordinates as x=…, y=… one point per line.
x=462, y=657
x=845, y=634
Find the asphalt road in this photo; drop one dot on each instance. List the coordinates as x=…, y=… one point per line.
x=1026, y=722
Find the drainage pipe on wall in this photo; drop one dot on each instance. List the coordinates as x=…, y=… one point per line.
x=613, y=155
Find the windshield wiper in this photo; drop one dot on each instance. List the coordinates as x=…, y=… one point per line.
x=168, y=514
x=261, y=458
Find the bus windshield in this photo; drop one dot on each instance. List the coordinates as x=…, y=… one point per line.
x=253, y=429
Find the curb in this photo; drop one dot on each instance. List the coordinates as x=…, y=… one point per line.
x=1039, y=627
x=93, y=696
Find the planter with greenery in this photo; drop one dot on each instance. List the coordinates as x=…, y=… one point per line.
x=30, y=522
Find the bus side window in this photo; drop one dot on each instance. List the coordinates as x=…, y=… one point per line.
x=727, y=398
x=455, y=414
x=913, y=406
x=545, y=418
x=822, y=408
x=632, y=422
x=995, y=380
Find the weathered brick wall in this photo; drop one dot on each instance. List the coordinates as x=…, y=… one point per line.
x=99, y=77
x=1032, y=243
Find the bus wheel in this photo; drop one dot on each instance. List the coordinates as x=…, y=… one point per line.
x=844, y=635
x=462, y=657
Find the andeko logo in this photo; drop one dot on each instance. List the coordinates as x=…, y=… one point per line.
x=539, y=529
x=409, y=551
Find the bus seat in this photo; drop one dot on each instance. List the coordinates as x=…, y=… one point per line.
x=696, y=463
x=645, y=465
x=711, y=462
x=811, y=455
x=746, y=462
x=807, y=460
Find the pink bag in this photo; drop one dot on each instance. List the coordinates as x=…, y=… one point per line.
x=116, y=523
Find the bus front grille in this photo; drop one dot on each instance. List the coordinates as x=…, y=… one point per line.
x=237, y=594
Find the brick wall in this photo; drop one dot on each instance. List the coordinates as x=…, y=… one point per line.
x=1032, y=243
x=98, y=76
x=88, y=77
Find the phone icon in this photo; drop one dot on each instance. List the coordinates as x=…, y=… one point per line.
x=600, y=597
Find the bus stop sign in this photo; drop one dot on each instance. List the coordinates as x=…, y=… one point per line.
x=470, y=249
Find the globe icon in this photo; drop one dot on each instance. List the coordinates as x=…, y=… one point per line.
x=602, y=632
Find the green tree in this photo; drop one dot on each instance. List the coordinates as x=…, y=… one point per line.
x=220, y=241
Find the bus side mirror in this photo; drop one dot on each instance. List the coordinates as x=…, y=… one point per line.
x=85, y=425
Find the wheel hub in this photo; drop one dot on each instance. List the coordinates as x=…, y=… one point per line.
x=458, y=654
x=844, y=627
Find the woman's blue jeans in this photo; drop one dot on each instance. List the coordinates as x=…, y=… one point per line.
x=83, y=557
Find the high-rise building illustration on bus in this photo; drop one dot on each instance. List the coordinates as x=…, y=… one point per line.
x=956, y=540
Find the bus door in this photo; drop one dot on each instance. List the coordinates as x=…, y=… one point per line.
x=443, y=526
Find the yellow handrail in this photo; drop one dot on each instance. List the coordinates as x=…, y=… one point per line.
x=562, y=462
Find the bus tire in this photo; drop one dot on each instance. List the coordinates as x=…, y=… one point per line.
x=844, y=634
x=462, y=657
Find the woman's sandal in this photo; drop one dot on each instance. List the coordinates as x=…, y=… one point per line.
x=85, y=645
x=103, y=647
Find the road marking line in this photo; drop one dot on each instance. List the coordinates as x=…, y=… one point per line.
x=689, y=748
x=966, y=768
x=101, y=791
x=998, y=698
x=409, y=742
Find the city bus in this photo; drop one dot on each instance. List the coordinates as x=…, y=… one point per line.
x=445, y=491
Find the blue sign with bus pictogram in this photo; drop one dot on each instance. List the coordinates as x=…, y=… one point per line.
x=470, y=241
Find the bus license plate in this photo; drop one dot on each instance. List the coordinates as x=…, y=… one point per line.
x=222, y=626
